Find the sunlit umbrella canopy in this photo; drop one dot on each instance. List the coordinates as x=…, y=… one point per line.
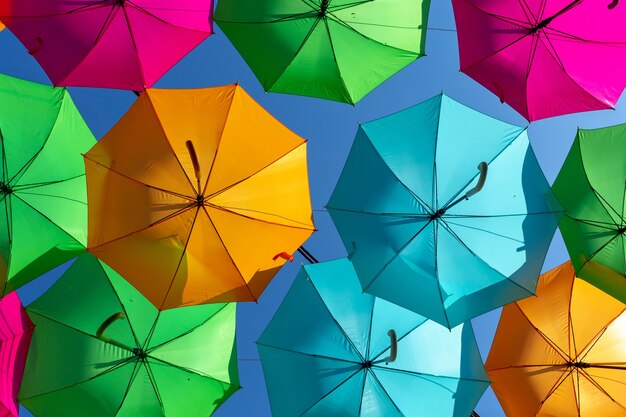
x=562, y=353
x=15, y=333
x=590, y=187
x=545, y=58
x=198, y=196
x=333, y=49
x=101, y=349
x=43, y=196
x=331, y=350
x=125, y=44
x=429, y=231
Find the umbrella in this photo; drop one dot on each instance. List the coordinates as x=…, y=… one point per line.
x=42, y=189
x=125, y=44
x=101, y=349
x=331, y=350
x=545, y=58
x=333, y=49
x=562, y=353
x=15, y=333
x=198, y=196
x=429, y=231
x=590, y=188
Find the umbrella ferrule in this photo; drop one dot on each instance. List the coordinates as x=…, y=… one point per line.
x=140, y=353
x=5, y=189
x=578, y=365
x=324, y=6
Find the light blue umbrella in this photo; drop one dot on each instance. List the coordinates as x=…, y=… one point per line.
x=331, y=350
x=444, y=211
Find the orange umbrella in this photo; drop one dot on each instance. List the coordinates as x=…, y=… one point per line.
x=562, y=353
x=198, y=196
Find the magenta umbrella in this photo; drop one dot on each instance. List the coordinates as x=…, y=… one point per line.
x=15, y=332
x=545, y=57
x=125, y=44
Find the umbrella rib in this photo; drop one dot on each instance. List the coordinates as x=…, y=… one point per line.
x=369, y=331
x=189, y=371
x=227, y=188
x=5, y=167
x=595, y=340
x=379, y=273
x=132, y=38
x=332, y=48
x=445, y=226
x=528, y=13
x=599, y=387
x=594, y=223
x=160, y=345
x=496, y=156
x=604, y=245
x=347, y=26
x=385, y=391
x=227, y=209
x=106, y=371
x=219, y=236
x=152, y=379
x=599, y=196
x=48, y=218
x=506, y=19
x=558, y=383
x=105, y=25
x=439, y=289
x=73, y=200
x=570, y=327
x=295, y=55
x=130, y=384
x=564, y=36
x=169, y=145
x=423, y=375
x=341, y=329
x=130, y=325
x=553, y=345
x=504, y=368
x=175, y=194
x=29, y=163
x=362, y=393
x=18, y=187
x=313, y=355
x=147, y=12
x=168, y=217
x=330, y=392
x=85, y=8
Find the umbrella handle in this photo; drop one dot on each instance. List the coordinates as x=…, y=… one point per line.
x=613, y=4
x=194, y=161
x=482, y=167
x=394, y=346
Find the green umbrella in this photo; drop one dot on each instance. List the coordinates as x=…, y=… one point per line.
x=592, y=190
x=43, y=196
x=101, y=349
x=334, y=49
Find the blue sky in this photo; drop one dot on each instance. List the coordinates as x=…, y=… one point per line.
x=330, y=129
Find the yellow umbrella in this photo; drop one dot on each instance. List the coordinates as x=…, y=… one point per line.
x=561, y=353
x=198, y=196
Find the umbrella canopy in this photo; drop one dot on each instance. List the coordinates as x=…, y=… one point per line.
x=562, y=353
x=198, y=196
x=101, y=349
x=125, y=44
x=417, y=228
x=545, y=58
x=15, y=333
x=332, y=350
x=333, y=49
x=590, y=188
x=43, y=197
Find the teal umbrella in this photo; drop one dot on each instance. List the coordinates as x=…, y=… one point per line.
x=444, y=211
x=331, y=350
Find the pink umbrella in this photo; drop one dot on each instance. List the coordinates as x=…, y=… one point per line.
x=15, y=333
x=545, y=57
x=125, y=44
